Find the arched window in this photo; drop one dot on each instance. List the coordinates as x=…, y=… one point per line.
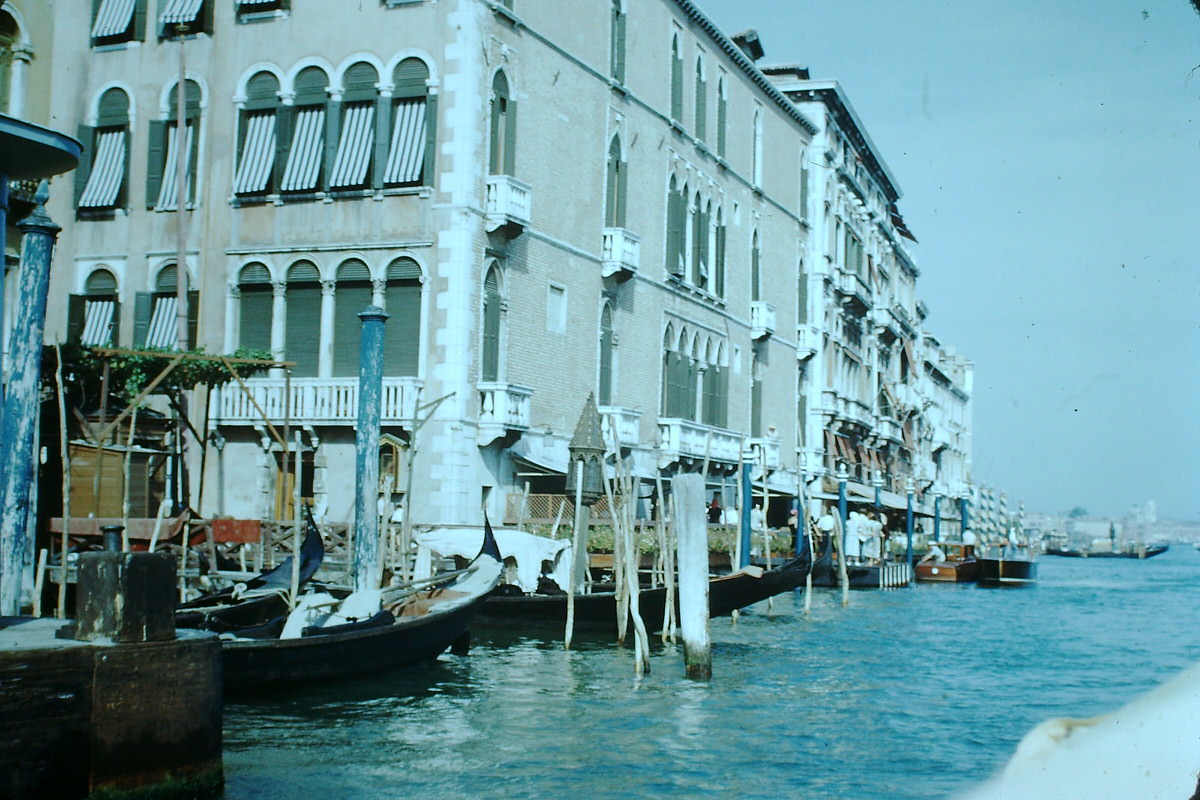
x=93, y=317
x=676, y=230
x=502, y=154
x=302, y=340
x=155, y=320
x=755, y=269
x=117, y=21
x=716, y=382
x=604, y=391
x=161, y=180
x=700, y=235
x=492, y=320
x=304, y=127
x=355, y=152
x=617, y=43
x=255, y=307
x=257, y=137
x=676, y=79
x=185, y=17
x=352, y=294
x=701, y=100
x=102, y=177
x=402, y=335
x=410, y=156
x=722, y=114
x=615, y=187
x=9, y=34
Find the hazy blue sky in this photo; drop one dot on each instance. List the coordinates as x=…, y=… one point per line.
x=1049, y=155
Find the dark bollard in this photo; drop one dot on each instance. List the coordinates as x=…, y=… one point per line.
x=112, y=537
x=125, y=597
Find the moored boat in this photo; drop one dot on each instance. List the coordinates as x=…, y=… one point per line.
x=1006, y=566
x=957, y=564
x=1139, y=552
x=859, y=575
x=414, y=627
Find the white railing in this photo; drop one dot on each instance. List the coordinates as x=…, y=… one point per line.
x=621, y=253
x=764, y=451
x=762, y=319
x=313, y=401
x=623, y=424
x=503, y=407
x=851, y=285
x=508, y=201
x=887, y=428
x=681, y=438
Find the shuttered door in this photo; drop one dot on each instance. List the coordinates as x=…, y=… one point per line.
x=303, y=329
x=402, y=339
x=490, y=370
x=604, y=393
x=352, y=295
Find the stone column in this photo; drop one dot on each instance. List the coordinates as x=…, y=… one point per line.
x=19, y=425
x=366, y=450
x=325, y=343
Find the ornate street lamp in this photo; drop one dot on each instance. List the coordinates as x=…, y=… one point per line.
x=585, y=479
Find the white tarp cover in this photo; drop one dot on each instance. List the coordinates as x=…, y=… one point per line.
x=527, y=550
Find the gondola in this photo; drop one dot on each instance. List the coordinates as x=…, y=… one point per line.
x=858, y=576
x=414, y=628
x=251, y=603
x=1147, y=551
x=510, y=607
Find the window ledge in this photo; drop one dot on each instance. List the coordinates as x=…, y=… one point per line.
x=399, y=191
x=251, y=17
x=100, y=214
x=677, y=126
x=115, y=46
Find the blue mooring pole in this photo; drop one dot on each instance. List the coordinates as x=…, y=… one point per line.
x=747, y=502
x=937, y=517
x=366, y=450
x=841, y=478
x=963, y=505
x=908, y=522
x=18, y=428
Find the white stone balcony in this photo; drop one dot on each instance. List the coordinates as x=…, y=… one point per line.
x=622, y=251
x=684, y=440
x=764, y=452
x=508, y=203
x=853, y=290
x=313, y=401
x=762, y=319
x=808, y=342
x=889, y=429
x=622, y=425
x=503, y=410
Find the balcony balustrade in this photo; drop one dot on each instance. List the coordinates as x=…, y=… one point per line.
x=764, y=451
x=621, y=424
x=808, y=342
x=508, y=203
x=854, y=291
x=503, y=410
x=762, y=319
x=313, y=401
x=621, y=254
x=684, y=440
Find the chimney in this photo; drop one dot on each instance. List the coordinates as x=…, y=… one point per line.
x=748, y=41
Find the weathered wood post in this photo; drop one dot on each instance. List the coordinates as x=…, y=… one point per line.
x=691, y=535
x=908, y=519
x=18, y=430
x=366, y=450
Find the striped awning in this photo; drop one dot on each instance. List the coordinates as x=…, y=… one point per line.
x=113, y=18
x=108, y=171
x=163, y=324
x=97, y=323
x=167, y=192
x=258, y=154
x=354, y=146
x=407, y=153
x=179, y=11
x=304, y=158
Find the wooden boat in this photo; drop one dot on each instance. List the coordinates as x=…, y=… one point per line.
x=959, y=565
x=1006, y=566
x=858, y=576
x=1144, y=551
x=254, y=602
x=509, y=606
x=417, y=627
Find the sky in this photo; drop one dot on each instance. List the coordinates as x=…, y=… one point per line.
x=1048, y=156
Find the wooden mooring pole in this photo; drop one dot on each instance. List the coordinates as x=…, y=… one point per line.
x=691, y=535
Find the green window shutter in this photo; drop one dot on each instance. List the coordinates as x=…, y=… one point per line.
x=610, y=191
x=491, y=328
x=719, y=260
x=510, y=138
x=285, y=120
x=496, y=135
x=622, y=191
x=351, y=297
x=156, y=160
x=676, y=82
x=333, y=126
x=256, y=308
x=84, y=170
x=620, y=75
x=76, y=311
x=142, y=303
x=402, y=336
x=802, y=297
x=193, y=122
x=139, y=21
x=427, y=173
x=383, y=130
x=701, y=105
x=675, y=232
x=206, y=16
x=756, y=399
x=721, y=114
x=193, y=317
x=114, y=339
x=755, y=275
x=604, y=393
x=804, y=187
x=303, y=326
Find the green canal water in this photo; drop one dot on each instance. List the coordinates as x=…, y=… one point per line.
x=920, y=692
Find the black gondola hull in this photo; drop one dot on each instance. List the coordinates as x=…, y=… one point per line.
x=1006, y=572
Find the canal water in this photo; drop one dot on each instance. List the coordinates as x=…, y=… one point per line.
x=920, y=692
